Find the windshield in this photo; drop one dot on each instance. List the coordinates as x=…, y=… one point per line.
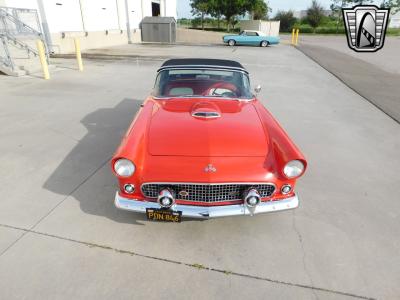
x=202, y=83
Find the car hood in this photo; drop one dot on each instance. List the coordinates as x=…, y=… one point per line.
x=206, y=127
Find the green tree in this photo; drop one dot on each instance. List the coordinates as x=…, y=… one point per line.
x=200, y=8
x=259, y=9
x=359, y=2
x=393, y=4
x=287, y=20
x=336, y=8
x=315, y=14
x=216, y=10
x=232, y=8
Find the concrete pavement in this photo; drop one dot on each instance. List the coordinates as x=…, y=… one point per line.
x=61, y=237
x=386, y=58
x=375, y=76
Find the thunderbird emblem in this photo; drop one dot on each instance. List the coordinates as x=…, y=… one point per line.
x=210, y=168
x=365, y=27
x=183, y=193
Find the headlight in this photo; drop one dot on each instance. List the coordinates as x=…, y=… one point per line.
x=124, y=167
x=293, y=168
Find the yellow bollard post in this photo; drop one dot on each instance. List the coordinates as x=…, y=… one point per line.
x=42, y=57
x=78, y=54
x=297, y=36
x=293, y=36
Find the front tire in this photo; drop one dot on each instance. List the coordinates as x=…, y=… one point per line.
x=264, y=44
x=231, y=43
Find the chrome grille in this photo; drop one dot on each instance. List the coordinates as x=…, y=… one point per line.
x=208, y=192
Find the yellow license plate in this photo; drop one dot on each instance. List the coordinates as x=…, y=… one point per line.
x=163, y=215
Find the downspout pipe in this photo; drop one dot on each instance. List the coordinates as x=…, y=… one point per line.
x=82, y=18
x=128, y=25
x=45, y=26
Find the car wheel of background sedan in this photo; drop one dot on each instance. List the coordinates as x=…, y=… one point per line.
x=231, y=42
x=264, y=44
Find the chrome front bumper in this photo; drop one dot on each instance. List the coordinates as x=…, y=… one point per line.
x=207, y=212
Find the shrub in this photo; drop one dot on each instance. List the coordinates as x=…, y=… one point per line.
x=329, y=30
x=196, y=22
x=315, y=14
x=305, y=29
x=287, y=20
x=393, y=31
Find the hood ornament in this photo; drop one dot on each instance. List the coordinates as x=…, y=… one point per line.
x=210, y=168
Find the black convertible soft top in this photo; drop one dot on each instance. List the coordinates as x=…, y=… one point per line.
x=202, y=62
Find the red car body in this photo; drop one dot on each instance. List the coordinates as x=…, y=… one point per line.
x=172, y=145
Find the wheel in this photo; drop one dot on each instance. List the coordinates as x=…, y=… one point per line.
x=231, y=42
x=264, y=44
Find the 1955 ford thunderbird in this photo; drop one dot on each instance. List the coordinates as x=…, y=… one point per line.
x=203, y=146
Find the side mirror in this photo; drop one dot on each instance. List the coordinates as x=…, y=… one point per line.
x=257, y=89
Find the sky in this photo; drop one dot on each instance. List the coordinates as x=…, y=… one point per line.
x=183, y=6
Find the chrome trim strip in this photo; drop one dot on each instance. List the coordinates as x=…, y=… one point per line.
x=204, y=97
x=213, y=67
x=206, y=183
x=210, y=212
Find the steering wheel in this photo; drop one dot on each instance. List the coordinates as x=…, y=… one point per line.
x=233, y=91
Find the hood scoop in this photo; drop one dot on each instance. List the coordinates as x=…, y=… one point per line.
x=206, y=114
x=206, y=110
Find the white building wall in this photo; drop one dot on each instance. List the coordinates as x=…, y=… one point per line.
x=98, y=23
x=63, y=15
x=146, y=7
x=269, y=28
x=99, y=14
x=135, y=13
x=395, y=20
x=171, y=8
x=32, y=4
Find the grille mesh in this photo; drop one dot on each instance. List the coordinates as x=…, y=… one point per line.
x=207, y=192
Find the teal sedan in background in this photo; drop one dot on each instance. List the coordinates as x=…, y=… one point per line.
x=250, y=37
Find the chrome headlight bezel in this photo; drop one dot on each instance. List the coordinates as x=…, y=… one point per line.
x=124, y=167
x=293, y=169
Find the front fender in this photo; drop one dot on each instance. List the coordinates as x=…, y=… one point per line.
x=282, y=148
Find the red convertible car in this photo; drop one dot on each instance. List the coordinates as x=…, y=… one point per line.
x=203, y=146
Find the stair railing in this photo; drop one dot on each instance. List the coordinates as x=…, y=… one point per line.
x=12, y=27
x=5, y=58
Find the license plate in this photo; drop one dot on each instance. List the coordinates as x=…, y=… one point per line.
x=163, y=215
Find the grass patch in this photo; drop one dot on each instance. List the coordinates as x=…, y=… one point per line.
x=198, y=266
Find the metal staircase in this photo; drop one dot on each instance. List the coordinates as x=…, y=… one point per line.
x=19, y=30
